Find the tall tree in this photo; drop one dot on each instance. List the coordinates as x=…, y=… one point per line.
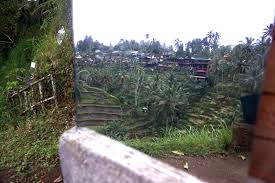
x=147, y=36
x=179, y=48
x=268, y=30
x=267, y=34
x=212, y=39
x=85, y=46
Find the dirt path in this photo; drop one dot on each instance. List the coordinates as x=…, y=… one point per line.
x=213, y=169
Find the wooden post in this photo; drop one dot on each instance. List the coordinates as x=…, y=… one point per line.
x=54, y=90
x=32, y=102
x=41, y=95
x=20, y=100
x=26, y=100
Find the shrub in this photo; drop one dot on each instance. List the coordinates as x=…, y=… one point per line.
x=116, y=130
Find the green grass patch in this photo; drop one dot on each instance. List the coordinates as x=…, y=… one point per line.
x=192, y=141
x=33, y=144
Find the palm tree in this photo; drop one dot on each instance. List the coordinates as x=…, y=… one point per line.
x=267, y=34
x=213, y=39
x=249, y=41
x=179, y=47
x=247, y=48
x=210, y=35
x=268, y=31
x=167, y=107
x=147, y=36
x=217, y=37
x=177, y=43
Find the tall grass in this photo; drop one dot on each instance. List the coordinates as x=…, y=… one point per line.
x=191, y=141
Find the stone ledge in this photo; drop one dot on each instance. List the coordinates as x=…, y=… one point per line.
x=87, y=156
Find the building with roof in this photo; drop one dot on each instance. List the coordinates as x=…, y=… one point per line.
x=198, y=66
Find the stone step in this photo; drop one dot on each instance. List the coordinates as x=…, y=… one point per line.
x=88, y=95
x=93, y=122
x=97, y=101
x=99, y=115
x=95, y=108
x=92, y=94
x=94, y=89
x=102, y=113
x=95, y=105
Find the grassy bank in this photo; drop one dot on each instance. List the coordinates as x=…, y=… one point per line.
x=191, y=141
x=32, y=146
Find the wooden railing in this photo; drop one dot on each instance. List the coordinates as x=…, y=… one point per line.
x=25, y=97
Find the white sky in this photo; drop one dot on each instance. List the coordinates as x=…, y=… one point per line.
x=110, y=20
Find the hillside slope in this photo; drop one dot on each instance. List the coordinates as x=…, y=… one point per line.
x=28, y=142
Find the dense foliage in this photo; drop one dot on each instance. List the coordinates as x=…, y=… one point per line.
x=36, y=31
x=29, y=33
x=165, y=98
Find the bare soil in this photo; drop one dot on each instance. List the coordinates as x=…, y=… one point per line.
x=213, y=169
x=43, y=176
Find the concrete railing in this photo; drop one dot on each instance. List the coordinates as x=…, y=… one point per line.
x=88, y=157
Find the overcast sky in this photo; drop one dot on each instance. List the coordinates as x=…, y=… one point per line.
x=110, y=20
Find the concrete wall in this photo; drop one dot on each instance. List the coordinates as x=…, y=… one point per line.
x=87, y=156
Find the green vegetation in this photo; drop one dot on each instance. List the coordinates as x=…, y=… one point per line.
x=161, y=96
x=33, y=145
x=165, y=95
x=28, y=33
x=117, y=130
x=164, y=98
x=190, y=141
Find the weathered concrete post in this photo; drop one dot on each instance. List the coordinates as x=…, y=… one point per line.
x=88, y=157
